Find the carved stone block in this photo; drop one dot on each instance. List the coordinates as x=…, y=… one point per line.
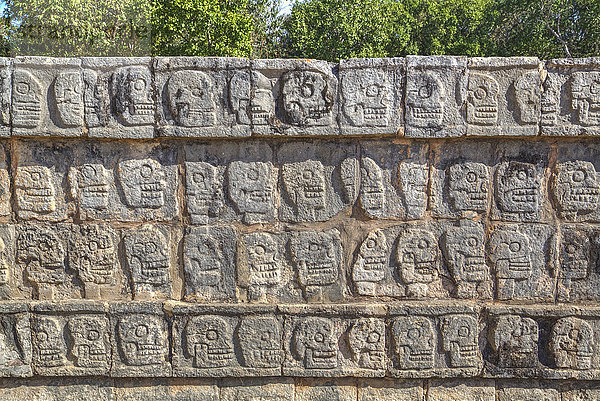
x=436, y=86
x=473, y=390
x=140, y=340
x=67, y=389
x=372, y=96
x=515, y=339
x=47, y=97
x=6, y=72
x=258, y=390
x=528, y=391
x=302, y=99
x=503, y=96
x=10, y=273
x=119, y=97
x=316, y=180
x=209, y=255
x=15, y=341
x=166, y=390
x=323, y=390
x=203, y=97
x=394, y=180
x=569, y=102
x=374, y=390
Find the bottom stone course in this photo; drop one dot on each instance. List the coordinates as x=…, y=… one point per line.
x=289, y=389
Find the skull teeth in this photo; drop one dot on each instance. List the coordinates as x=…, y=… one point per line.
x=421, y=113
x=375, y=113
x=142, y=108
x=39, y=192
x=523, y=195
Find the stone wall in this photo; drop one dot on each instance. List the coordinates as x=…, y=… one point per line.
x=420, y=228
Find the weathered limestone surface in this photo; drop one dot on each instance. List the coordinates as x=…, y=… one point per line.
x=419, y=228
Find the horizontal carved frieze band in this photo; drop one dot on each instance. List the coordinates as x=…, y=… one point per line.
x=411, y=340
x=416, y=96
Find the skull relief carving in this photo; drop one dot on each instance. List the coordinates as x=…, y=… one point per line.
x=459, y=339
x=264, y=259
x=94, y=254
x=372, y=259
x=518, y=187
x=260, y=341
x=550, y=101
x=204, y=191
x=307, y=99
x=510, y=252
x=574, y=255
x=464, y=249
x=239, y=96
x=482, y=99
x=367, y=343
x=317, y=256
x=41, y=254
x=26, y=100
x=205, y=260
x=315, y=343
x=468, y=186
x=350, y=177
x=528, y=97
x=304, y=183
x=142, y=339
x=89, y=338
x=143, y=183
x=251, y=187
x=366, y=94
x=132, y=91
x=93, y=105
x=585, y=92
x=417, y=256
x=572, y=343
x=90, y=186
x=515, y=339
x=414, y=342
x=49, y=348
x=190, y=98
x=576, y=187
x=262, y=102
x=209, y=339
x=35, y=190
x=68, y=94
x=413, y=178
x=425, y=97
x=372, y=189
x=147, y=256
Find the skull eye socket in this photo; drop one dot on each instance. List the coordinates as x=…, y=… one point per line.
x=307, y=90
x=422, y=243
x=571, y=248
x=266, y=336
x=578, y=176
x=314, y=247
x=413, y=333
x=463, y=331
x=319, y=337
x=212, y=334
x=472, y=242
x=425, y=91
x=22, y=88
x=141, y=331
x=93, y=246
x=574, y=334
x=259, y=250
x=307, y=174
x=150, y=247
x=373, y=337
x=371, y=244
x=408, y=257
x=146, y=171
x=88, y=172
x=198, y=178
x=139, y=84
x=480, y=93
x=253, y=174
x=93, y=335
x=372, y=90
x=521, y=175
x=514, y=246
x=44, y=246
x=42, y=336
x=35, y=176
x=197, y=92
x=471, y=177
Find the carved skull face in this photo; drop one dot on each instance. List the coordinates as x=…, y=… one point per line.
x=574, y=255
x=366, y=94
x=417, y=256
x=585, y=92
x=142, y=339
x=576, y=187
x=459, y=339
x=414, y=342
x=93, y=106
x=264, y=259
x=203, y=189
x=49, y=349
x=304, y=182
x=42, y=254
x=262, y=102
x=315, y=343
x=95, y=255
x=306, y=98
x=35, y=190
x=367, y=343
x=518, y=186
x=425, y=97
x=206, y=259
x=550, y=101
x=350, y=177
x=372, y=259
x=132, y=89
x=515, y=338
x=89, y=341
x=143, y=183
x=482, y=99
x=148, y=257
x=239, y=96
x=317, y=257
x=510, y=253
x=251, y=187
x=372, y=189
x=26, y=100
x=468, y=186
x=527, y=95
x=190, y=98
x=413, y=179
x=260, y=341
x=68, y=93
x=210, y=340
x=572, y=343
x=464, y=248
x=92, y=184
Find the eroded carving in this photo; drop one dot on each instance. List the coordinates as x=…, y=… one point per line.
x=209, y=339
x=35, y=190
x=418, y=259
x=142, y=340
x=260, y=342
x=510, y=253
x=132, y=91
x=204, y=191
x=515, y=339
x=307, y=99
x=528, y=97
x=585, y=100
x=468, y=186
x=305, y=185
x=49, y=348
x=576, y=188
x=263, y=262
x=204, y=261
x=482, y=99
x=143, y=183
x=41, y=254
x=572, y=343
x=147, y=256
x=372, y=188
x=425, y=97
x=315, y=343
x=371, y=263
x=251, y=186
x=190, y=98
x=459, y=340
x=89, y=336
x=367, y=343
x=90, y=185
x=574, y=256
x=94, y=254
x=518, y=188
x=413, y=178
x=95, y=115
x=414, y=342
x=366, y=94
x=26, y=100
x=350, y=177
x=68, y=94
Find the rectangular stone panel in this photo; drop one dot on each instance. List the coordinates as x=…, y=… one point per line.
x=203, y=97
x=5, y=96
x=15, y=340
